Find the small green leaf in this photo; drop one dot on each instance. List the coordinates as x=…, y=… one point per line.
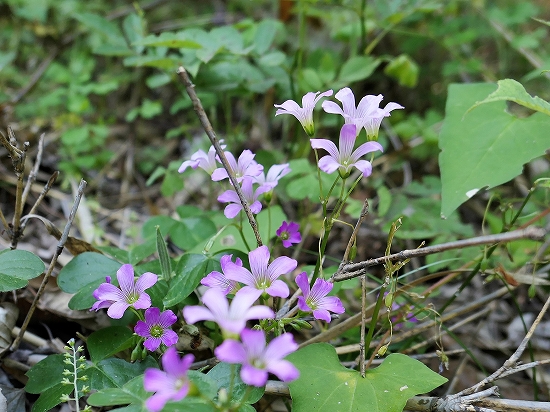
x=509, y=89
x=17, y=267
x=404, y=69
x=265, y=33
x=51, y=367
x=358, y=68
x=325, y=385
x=190, y=270
x=164, y=257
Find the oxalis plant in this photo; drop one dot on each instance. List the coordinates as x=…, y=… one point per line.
x=250, y=304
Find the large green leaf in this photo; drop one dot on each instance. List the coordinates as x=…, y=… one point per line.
x=325, y=385
x=17, y=267
x=486, y=146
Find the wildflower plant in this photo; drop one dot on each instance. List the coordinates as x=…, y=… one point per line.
x=246, y=301
x=74, y=375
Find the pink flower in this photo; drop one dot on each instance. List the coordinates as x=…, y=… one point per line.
x=218, y=280
x=156, y=328
x=344, y=159
x=316, y=299
x=258, y=359
x=262, y=278
x=231, y=318
x=245, y=166
x=129, y=294
x=289, y=233
x=305, y=113
x=207, y=162
x=170, y=384
x=275, y=173
x=251, y=196
x=367, y=114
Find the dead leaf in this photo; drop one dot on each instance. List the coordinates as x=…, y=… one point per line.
x=8, y=317
x=73, y=245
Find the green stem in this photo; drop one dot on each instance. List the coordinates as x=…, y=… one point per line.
x=374, y=318
x=241, y=231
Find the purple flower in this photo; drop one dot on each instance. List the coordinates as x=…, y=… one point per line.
x=367, y=114
x=262, y=278
x=231, y=318
x=129, y=294
x=316, y=299
x=275, y=173
x=251, y=196
x=207, y=162
x=156, y=328
x=305, y=113
x=289, y=234
x=245, y=166
x=170, y=384
x=258, y=359
x=345, y=158
x=218, y=280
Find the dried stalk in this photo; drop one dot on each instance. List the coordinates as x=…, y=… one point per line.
x=207, y=126
x=53, y=262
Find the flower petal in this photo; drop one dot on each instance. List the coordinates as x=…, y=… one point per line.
x=303, y=283
x=284, y=370
x=278, y=289
x=145, y=281
x=364, y=166
x=328, y=164
x=366, y=148
x=125, y=277
x=259, y=259
x=231, y=351
x=280, y=347
x=253, y=376
x=193, y=314
x=347, y=141
x=280, y=266
x=327, y=145
x=117, y=309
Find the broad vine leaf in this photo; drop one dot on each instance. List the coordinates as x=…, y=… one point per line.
x=17, y=267
x=325, y=385
x=509, y=89
x=486, y=146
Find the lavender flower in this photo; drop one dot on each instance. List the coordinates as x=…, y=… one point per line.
x=129, y=294
x=231, y=318
x=207, y=162
x=251, y=196
x=316, y=299
x=156, y=328
x=275, y=173
x=245, y=166
x=289, y=233
x=170, y=384
x=345, y=158
x=218, y=280
x=305, y=113
x=367, y=114
x=258, y=359
x=262, y=278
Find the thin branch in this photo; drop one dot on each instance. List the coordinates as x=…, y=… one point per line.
x=41, y=197
x=512, y=362
x=59, y=249
x=207, y=126
x=352, y=270
x=37, y=162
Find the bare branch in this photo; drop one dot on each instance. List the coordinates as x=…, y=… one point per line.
x=207, y=126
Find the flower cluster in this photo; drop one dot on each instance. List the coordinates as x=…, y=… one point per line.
x=367, y=115
x=249, y=174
